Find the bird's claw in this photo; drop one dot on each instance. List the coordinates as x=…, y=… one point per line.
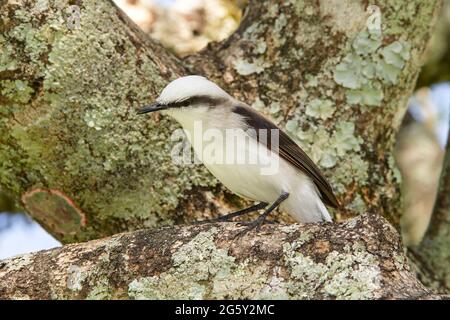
x=251, y=225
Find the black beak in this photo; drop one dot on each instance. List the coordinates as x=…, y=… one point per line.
x=151, y=108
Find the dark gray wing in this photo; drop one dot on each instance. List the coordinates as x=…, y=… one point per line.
x=290, y=151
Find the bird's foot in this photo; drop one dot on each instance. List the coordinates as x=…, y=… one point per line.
x=252, y=225
x=230, y=216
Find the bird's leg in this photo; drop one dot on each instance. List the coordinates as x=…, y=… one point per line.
x=258, y=222
x=229, y=216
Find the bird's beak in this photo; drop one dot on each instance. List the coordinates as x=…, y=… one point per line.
x=153, y=107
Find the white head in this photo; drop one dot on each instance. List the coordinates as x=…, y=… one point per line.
x=188, y=99
x=190, y=94
x=190, y=86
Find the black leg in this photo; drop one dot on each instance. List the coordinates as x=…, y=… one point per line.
x=229, y=216
x=257, y=223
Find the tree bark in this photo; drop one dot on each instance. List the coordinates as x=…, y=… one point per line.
x=358, y=259
x=433, y=255
x=335, y=74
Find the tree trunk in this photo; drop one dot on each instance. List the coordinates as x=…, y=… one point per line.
x=335, y=74
x=359, y=259
x=433, y=255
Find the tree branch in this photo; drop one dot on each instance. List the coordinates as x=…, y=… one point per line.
x=433, y=254
x=361, y=258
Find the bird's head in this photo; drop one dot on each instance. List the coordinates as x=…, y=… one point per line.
x=187, y=95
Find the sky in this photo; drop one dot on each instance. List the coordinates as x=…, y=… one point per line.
x=19, y=234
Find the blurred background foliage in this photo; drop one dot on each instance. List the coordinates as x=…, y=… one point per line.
x=187, y=26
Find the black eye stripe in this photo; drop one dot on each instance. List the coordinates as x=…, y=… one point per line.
x=196, y=100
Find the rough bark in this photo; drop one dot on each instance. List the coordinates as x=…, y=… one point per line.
x=433, y=255
x=75, y=156
x=358, y=259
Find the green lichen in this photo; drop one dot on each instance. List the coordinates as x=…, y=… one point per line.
x=7, y=60
x=368, y=65
x=369, y=95
x=200, y=270
x=16, y=91
x=395, y=171
x=351, y=274
x=260, y=47
x=258, y=104
x=345, y=140
x=367, y=42
x=347, y=172
x=33, y=39
x=324, y=148
x=358, y=204
x=101, y=290
x=322, y=109
x=280, y=23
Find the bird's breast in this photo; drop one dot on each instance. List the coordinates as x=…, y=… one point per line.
x=238, y=161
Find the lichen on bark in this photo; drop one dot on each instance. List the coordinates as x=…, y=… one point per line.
x=68, y=122
x=359, y=259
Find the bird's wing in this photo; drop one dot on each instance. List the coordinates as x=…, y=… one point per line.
x=289, y=151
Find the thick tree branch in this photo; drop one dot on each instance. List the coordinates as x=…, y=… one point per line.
x=433, y=254
x=361, y=258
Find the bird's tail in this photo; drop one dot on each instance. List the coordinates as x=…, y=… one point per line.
x=323, y=210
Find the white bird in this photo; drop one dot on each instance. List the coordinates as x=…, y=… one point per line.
x=282, y=175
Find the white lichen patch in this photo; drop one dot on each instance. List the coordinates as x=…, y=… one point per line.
x=19, y=262
x=246, y=68
x=40, y=6
x=96, y=119
x=290, y=228
x=260, y=47
x=350, y=223
x=338, y=11
x=351, y=274
x=75, y=277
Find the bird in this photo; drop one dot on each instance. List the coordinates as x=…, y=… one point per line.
x=290, y=180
